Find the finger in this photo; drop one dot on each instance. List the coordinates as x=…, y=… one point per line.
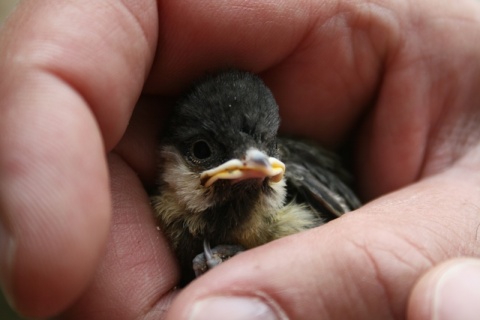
x=335, y=62
x=447, y=292
x=71, y=71
x=138, y=270
x=426, y=114
x=318, y=58
x=360, y=266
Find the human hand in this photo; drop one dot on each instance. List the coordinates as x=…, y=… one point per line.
x=407, y=77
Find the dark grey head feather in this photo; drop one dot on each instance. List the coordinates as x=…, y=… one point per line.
x=234, y=110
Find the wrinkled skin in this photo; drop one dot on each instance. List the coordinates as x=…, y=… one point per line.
x=399, y=78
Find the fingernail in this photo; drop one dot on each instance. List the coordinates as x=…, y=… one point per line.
x=6, y=260
x=457, y=295
x=235, y=308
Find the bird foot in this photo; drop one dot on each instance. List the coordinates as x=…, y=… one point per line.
x=211, y=258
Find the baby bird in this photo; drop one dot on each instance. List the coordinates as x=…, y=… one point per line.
x=226, y=179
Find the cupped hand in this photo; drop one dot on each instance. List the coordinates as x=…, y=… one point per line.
x=399, y=79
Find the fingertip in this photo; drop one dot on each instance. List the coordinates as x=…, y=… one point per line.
x=448, y=291
x=235, y=308
x=254, y=285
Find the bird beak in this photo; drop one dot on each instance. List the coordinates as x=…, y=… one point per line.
x=256, y=165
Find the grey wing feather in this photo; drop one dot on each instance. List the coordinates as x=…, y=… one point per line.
x=315, y=176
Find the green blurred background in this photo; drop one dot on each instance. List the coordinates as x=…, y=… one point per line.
x=5, y=312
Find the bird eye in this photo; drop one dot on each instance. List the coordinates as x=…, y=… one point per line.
x=201, y=150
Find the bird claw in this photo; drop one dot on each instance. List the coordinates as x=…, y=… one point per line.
x=211, y=258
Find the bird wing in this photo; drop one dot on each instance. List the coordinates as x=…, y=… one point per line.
x=315, y=177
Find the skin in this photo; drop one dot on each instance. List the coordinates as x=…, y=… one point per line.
x=400, y=77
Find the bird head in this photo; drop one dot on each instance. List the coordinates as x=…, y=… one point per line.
x=220, y=149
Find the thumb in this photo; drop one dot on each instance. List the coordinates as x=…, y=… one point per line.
x=66, y=97
x=448, y=291
x=360, y=266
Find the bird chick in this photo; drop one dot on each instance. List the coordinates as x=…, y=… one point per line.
x=226, y=179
